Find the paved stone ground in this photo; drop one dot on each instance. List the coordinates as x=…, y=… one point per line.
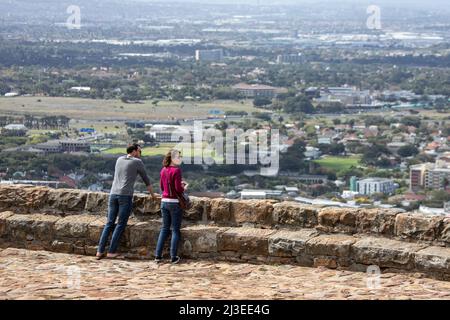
x=45, y=275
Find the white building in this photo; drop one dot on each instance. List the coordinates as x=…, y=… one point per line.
x=260, y=194
x=312, y=153
x=80, y=89
x=11, y=94
x=209, y=55
x=169, y=133
x=375, y=185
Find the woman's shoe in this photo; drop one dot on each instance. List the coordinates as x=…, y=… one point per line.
x=175, y=260
x=99, y=256
x=113, y=255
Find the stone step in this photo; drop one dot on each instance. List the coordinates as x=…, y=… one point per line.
x=236, y=213
x=306, y=246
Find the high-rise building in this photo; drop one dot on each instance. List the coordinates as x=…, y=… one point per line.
x=353, y=186
x=434, y=176
x=417, y=176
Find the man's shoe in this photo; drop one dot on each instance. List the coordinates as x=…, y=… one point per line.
x=175, y=260
x=158, y=259
x=99, y=256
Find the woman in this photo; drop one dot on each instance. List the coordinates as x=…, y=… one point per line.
x=171, y=184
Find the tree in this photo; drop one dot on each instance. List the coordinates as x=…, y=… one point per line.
x=292, y=160
x=407, y=151
x=261, y=102
x=372, y=154
x=411, y=121
x=298, y=104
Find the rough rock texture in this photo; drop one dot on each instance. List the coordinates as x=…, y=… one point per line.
x=433, y=259
x=418, y=227
x=65, y=201
x=286, y=243
x=445, y=234
x=337, y=220
x=199, y=210
x=23, y=276
x=143, y=205
x=220, y=211
x=376, y=221
x=71, y=221
x=330, y=250
x=200, y=241
x=3, y=217
x=251, y=211
x=73, y=226
x=97, y=203
x=23, y=198
x=385, y=253
x=245, y=240
x=294, y=214
x=30, y=227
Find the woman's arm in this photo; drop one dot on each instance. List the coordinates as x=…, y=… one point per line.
x=177, y=181
x=161, y=185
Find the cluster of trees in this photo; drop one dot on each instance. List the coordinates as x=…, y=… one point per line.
x=38, y=123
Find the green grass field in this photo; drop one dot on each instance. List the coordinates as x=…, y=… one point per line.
x=159, y=151
x=146, y=152
x=92, y=109
x=339, y=163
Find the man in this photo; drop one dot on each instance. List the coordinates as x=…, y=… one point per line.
x=121, y=198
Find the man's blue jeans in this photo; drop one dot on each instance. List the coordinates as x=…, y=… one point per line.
x=119, y=205
x=171, y=216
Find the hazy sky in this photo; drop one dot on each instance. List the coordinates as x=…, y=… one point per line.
x=428, y=4
x=399, y=2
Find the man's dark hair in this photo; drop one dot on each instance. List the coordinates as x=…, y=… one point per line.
x=133, y=147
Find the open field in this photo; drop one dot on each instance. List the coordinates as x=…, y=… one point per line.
x=339, y=163
x=146, y=152
x=90, y=109
x=187, y=150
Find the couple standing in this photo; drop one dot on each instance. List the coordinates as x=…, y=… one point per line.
x=120, y=205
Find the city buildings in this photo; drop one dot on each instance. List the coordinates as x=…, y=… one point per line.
x=348, y=96
x=15, y=130
x=370, y=186
x=209, y=55
x=290, y=58
x=257, y=90
x=433, y=176
x=169, y=133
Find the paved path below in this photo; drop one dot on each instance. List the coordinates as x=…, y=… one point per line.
x=45, y=275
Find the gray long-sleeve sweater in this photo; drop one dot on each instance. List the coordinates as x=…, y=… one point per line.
x=126, y=171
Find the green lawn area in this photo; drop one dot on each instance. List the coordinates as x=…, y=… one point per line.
x=339, y=163
x=110, y=110
x=161, y=151
x=146, y=152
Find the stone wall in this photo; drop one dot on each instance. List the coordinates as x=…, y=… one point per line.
x=71, y=221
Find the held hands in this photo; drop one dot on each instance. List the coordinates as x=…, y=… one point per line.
x=185, y=184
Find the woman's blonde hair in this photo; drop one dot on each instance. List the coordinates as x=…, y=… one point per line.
x=169, y=156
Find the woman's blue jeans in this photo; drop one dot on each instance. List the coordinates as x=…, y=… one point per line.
x=119, y=205
x=171, y=216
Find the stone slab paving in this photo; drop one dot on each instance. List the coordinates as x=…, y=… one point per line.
x=28, y=274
